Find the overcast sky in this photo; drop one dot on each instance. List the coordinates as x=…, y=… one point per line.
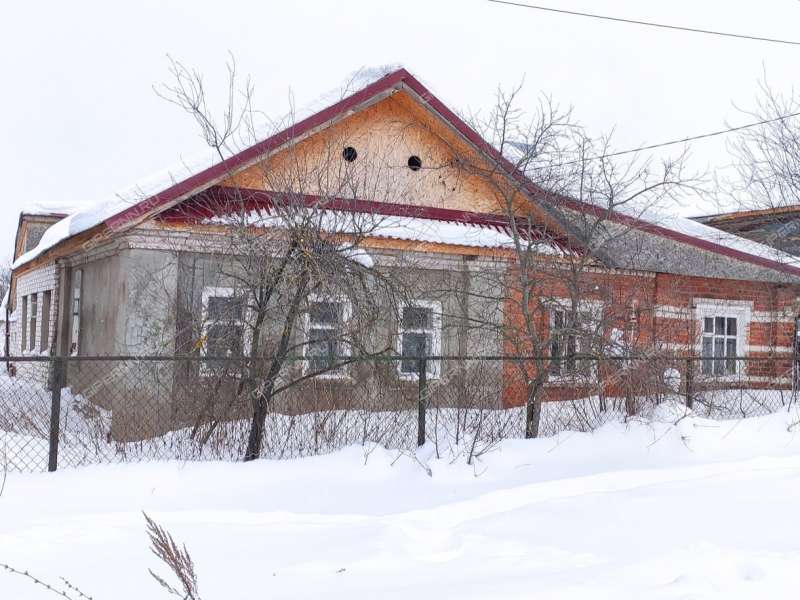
x=80, y=119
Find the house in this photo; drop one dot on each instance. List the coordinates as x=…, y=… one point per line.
x=80, y=289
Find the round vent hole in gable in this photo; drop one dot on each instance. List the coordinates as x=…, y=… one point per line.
x=349, y=154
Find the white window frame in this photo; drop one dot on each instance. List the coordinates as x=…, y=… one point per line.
x=741, y=310
x=433, y=367
x=344, y=371
x=23, y=341
x=75, y=309
x=219, y=292
x=44, y=321
x=592, y=307
x=33, y=322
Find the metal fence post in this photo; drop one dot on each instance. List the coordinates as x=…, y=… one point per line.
x=689, y=382
x=59, y=368
x=422, y=400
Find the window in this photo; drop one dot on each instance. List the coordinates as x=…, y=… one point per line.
x=77, y=279
x=45, y=332
x=720, y=341
x=32, y=333
x=633, y=326
x=223, y=323
x=420, y=334
x=324, y=328
x=722, y=326
x=571, y=335
x=24, y=327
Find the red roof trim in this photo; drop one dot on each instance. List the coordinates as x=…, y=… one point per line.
x=577, y=205
x=394, y=79
x=216, y=199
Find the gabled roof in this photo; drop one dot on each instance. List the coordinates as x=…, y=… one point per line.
x=40, y=215
x=165, y=190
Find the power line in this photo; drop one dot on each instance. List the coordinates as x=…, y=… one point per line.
x=702, y=136
x=647, y=23
x=673, y=142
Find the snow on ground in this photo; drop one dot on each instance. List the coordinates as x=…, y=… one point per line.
x=86, y=432
x=651, y=509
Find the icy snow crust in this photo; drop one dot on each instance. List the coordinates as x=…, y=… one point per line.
x=668, y=505
x=97, y=213
x=649, y=509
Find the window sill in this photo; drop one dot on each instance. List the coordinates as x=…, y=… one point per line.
x=331, y=376
x=575, y=380
x=703, y=378
x=415, y=377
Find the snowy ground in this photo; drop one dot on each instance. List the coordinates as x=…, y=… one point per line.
x=701, y=509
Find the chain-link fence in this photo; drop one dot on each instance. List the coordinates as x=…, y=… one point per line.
x=84, y=410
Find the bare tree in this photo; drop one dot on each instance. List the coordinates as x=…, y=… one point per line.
x=298, y=280
x=766, y=159
x=5, y=277
x=767, y=156
x=562, y=196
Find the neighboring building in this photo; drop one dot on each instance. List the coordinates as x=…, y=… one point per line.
x=32, y=225
x=81, y=288
x=778, y=227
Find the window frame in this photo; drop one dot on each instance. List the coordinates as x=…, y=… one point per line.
x=208, y=292
x=76, y=307
x=595, y=311
x=347, y=310
x=33, y=321
x=736, y=309
x=24, y=329
x=433, y=367
x=44, y=325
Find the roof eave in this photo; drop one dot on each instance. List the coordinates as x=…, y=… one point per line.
x=401, y=77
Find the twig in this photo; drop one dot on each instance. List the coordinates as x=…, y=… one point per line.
x=47, y=586
x=75, y=589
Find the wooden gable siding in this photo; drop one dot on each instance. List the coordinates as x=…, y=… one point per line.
x=385, y=135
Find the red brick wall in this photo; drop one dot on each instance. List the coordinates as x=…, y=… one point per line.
x=663, y=306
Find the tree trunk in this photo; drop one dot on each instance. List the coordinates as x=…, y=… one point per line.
x=256, y=437
x=533, y=413
x=260, y=402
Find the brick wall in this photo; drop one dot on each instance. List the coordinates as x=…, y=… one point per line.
x=667, y=310
x=36, y=282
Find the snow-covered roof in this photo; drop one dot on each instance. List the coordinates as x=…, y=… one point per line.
x=52, y=208
x=692, y=228
x=663, y=218
x=405, y=228
x=180, y=180
x=96, y=213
